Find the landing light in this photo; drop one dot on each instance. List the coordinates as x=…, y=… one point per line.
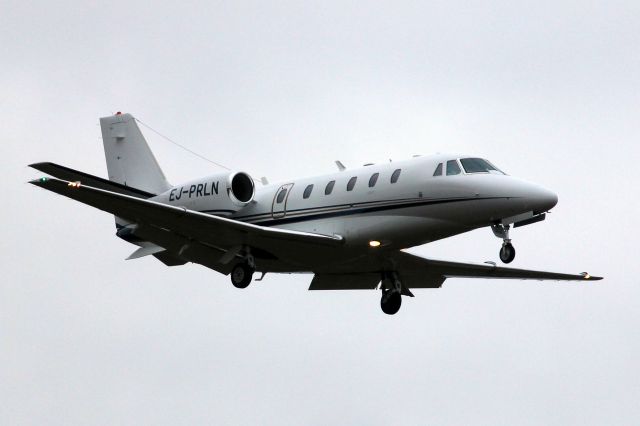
x=75, y=184
x=585, y=275
x=374, y=243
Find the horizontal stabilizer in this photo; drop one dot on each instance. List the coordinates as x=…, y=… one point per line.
x=145, y=251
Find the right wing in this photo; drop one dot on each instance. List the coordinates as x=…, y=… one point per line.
x=419, y=272
x=196, y=236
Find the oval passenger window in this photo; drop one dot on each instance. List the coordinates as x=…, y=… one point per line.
x=281, y=195
x=373, y=179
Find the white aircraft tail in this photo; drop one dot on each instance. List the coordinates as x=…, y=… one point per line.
x=130, y=162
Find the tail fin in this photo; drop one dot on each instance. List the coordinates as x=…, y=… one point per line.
x=130, y=162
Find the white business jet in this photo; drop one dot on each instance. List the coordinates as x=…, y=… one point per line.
x=348, y=228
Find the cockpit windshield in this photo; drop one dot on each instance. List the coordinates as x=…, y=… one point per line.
x=478, y=165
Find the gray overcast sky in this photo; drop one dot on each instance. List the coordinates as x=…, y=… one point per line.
x=548, y=90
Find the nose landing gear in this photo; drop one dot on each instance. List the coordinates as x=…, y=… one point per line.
x=507, y=251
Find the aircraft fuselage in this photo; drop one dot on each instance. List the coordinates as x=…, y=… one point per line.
x=414, y=209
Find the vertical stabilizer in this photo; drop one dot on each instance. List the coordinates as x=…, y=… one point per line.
x=129, y=160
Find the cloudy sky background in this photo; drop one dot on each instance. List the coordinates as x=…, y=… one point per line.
x=547, y=90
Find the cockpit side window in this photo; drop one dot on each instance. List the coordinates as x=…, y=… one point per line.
x=478, y=165
x=438, y=171
x=453, y=168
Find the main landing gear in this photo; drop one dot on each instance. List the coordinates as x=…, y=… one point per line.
x=391, y=301
x=392, y=292
x=507, y=251
x=242, y=273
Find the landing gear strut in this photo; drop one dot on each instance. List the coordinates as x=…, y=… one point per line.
x=391, y=293
x=242, y=273
x=507, y=251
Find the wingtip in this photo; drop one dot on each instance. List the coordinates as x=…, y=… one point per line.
x=40, y=181
x=588, y=277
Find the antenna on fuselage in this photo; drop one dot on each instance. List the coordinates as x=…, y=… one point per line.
x=341, y=166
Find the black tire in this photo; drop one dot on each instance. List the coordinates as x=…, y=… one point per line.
x=390, y=302
x=241, y=275
x=507, y=253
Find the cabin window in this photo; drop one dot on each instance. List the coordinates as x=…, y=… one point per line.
x=395, y=176
x=373, y=179
x=352, y=183
x=307, y=192
x=281, y=195
x=453, y=168
x=438, y=171
x=329, y=187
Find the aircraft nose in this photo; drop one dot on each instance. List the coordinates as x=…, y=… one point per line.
x=543, y=199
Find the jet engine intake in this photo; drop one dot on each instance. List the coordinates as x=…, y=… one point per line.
x=241, y=188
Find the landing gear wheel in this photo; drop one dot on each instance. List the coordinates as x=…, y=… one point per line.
x=241, y=275
x=390, y=302
x=507, y=253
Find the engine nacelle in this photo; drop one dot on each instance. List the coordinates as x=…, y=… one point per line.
x=240, y=188
x=219, y=194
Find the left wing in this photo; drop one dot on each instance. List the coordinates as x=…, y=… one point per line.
x=71, y=175
x=419, y=272
x=196, y=236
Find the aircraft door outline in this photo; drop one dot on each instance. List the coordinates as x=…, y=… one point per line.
x=279, y=204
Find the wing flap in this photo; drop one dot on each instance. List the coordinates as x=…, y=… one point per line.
x=344, y=281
